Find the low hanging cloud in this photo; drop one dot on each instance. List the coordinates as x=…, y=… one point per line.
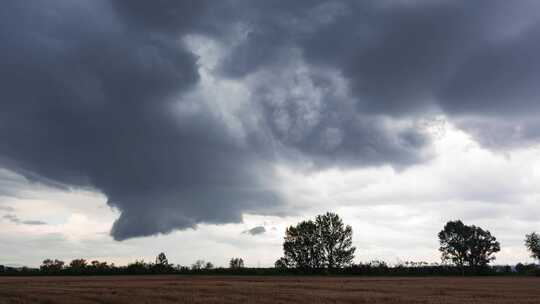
x=255, y=230
x=90, y=103
x=91, y=93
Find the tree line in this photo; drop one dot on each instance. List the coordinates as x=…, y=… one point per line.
x=326, y=243
x=321, y=246
x=160, y=266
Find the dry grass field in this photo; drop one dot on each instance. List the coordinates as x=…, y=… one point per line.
x=200, y=289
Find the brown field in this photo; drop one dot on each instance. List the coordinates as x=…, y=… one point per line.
x=214, y=289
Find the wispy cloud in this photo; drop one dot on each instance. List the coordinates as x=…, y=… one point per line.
x=255, y=230
x=14, y=219
x=7, y=208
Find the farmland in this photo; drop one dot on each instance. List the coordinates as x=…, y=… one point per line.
x=294, y=289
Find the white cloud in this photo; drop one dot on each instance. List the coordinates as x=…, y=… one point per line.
x=395, y=214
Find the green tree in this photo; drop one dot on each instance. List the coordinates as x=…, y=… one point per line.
x=532, y=242
x=325, y=242
x=138, y=267
x=467, y=245
x=208, y=266
x=336, y=240
x=162, y=264
x=453, y=241
x=50, y=265
x=198, y=265
x=302, y=247
x=281, y=263
x=78, y=264
x=482, y=246
x=98, y=266
x=236, y=263
x=161, y=260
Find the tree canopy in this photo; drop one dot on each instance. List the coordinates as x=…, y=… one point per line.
x=532, y=241
x=50, y=265
x=323, y=243
x=161, y=259
x=236, y=263
x=467, y=245
x=336, y=240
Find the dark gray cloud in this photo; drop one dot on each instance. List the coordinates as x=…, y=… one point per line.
x=162, y=16
x=87, y=100
x=14, y=219
x=501, y=133
x=407, y=58
x=255, y=230
x=90, y=93
x=498, y=79
x=309, y=117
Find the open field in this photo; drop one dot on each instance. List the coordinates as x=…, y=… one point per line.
x=213, y=289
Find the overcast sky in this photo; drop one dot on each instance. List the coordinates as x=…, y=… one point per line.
x=204, y=128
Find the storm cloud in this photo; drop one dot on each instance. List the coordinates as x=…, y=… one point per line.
x=99, y=94
x=469, y=60
x=88, y=100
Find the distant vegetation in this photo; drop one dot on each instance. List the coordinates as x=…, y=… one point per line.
x=236, y=263
x=324, y=246
x=532, y=241
x=467, y=246
x=323, y=243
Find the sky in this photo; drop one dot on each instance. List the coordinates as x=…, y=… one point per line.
x=203, y=129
